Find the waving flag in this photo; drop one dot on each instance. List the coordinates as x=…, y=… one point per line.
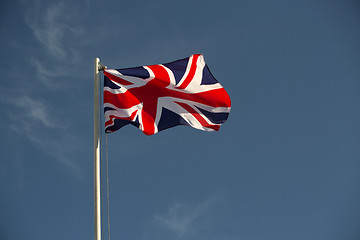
x=157, y=97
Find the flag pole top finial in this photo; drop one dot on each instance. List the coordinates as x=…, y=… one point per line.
x=102, y=67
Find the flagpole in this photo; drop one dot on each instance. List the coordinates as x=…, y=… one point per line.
x=97, y=206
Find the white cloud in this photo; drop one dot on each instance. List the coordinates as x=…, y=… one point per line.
x=58, y=28
x=34, y=119
x=183, y=219
x=57, y=148
x=35, y=110
x=50, y=76
x=27, y=111
x=52, y=26
x=178, y=219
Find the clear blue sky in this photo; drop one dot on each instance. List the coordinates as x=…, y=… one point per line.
x=284, y=166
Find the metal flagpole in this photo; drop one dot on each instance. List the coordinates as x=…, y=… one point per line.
x=97, y=206
x=97, y=194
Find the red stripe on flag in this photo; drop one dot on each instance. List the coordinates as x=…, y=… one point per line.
x=161, y=77
x=148, y=115
x=112, y=117
x=123, y=100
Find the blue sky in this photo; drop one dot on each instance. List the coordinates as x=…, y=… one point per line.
x=284, y=166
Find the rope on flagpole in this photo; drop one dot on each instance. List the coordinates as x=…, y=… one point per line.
x=101, y=158
x=107, y=186
x=102, y=68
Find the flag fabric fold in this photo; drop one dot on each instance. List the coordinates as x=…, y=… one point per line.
x=157, y=97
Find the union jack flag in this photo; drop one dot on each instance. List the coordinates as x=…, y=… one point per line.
x=157, y=97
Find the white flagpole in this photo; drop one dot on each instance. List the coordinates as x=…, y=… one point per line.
x=97, y=206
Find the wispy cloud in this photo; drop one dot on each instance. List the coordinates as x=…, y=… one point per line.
x=35, y=119
x=178, y=219
x=25, y=109
x=183, y=219
x=52, y=76
x=58, y=148
x=51, y=26
x=35, y=110
x=58, y=29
